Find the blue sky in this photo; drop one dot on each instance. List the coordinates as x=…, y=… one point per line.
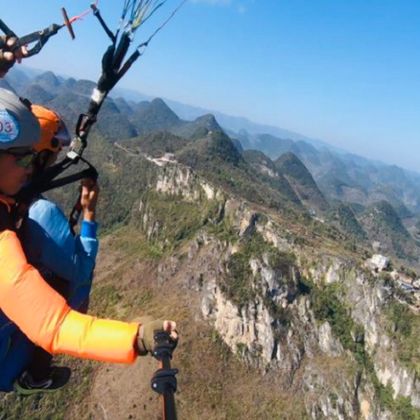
x=347, y=72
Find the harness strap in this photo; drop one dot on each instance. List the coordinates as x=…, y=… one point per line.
x=6, y=219
x=47, y=181
x=75, y=213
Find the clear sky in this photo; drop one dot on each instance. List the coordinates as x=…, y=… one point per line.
x=347, y=72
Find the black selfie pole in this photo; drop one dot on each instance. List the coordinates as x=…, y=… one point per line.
x=164, y=380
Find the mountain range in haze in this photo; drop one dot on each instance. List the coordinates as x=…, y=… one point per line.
x=345, y=189
x=190, y=112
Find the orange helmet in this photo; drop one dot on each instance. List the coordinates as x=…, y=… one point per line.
x=54, y=133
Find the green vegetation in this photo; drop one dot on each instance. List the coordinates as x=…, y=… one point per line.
x=172, y=219
x=404, y=328
x=403, y=410
x=301, y=180
x=387, y=218
x=217, y=159
x=278, y=182
x=222, y=146
x=239, y=283
x=333, y=398
x=105, y=299
x=348, y=223
x=325, y=230
x=283, y=262
x=236, y=391
x=153, y=116
x=224, y=231
x=123, y=179
x=409, y=272
x=132, y=242
x=382, y=222
x=291, y=165
x=400, y=407
x=327, y=306
x=156, y=144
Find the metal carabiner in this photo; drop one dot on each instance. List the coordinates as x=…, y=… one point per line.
x=40, y=37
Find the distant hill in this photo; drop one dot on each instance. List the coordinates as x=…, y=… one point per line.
x=260, y=162
x=268, y=172
x=17, y=78
x=156, y=115
x=37, y=94
x=344, y=176
x=343, y=216
x=383, y=217
x=301, y=181
x=200, y=127
x=382, y=223
x=218, y=159
x=48, y=81
x=270, y=145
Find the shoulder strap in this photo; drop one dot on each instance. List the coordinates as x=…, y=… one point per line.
x=6, y=219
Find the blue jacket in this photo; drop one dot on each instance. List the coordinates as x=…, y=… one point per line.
x=51, y=247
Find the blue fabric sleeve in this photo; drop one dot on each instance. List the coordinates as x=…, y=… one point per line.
x=50, y=243
x=88, y=229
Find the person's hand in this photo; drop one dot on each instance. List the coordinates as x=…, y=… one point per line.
x=148, y=326
x=10, y=53
x=89, y=198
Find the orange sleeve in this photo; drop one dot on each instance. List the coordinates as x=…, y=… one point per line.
x=44, y=316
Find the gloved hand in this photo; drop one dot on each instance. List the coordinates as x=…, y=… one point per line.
x=7, y=57
x=148, y=326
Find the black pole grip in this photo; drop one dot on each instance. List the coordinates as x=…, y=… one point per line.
x=164, y=380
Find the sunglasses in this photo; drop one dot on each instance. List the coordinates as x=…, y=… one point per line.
x=23, y=159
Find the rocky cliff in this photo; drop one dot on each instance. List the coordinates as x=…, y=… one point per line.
x=302, y=307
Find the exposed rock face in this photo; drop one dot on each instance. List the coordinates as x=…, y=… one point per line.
x=378, y=262
x=368, y=302
x=403, y=381
x=274, y=327
x=181, y=180
x=327, y=343
x=326, y=396
x=245, y=330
